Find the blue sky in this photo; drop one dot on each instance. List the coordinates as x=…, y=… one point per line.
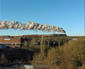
x=68, y=14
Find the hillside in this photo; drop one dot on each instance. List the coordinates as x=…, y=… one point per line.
x=65, y=50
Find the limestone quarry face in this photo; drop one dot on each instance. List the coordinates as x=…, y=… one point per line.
x=30, y=26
